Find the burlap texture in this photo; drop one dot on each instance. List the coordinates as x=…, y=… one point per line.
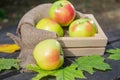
x=28, y=36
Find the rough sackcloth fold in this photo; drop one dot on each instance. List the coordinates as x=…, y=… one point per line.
x=28, y=36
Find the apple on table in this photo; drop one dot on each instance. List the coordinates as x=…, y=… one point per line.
x=48, y=54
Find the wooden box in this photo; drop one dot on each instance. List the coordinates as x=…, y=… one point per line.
x=84, y=46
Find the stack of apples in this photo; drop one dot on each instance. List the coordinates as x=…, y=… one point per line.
x=62, y=14
x=48, y=53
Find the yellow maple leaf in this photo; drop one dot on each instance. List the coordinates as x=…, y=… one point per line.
x=9, y=48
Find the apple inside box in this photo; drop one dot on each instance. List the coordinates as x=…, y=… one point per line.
x=83, y=46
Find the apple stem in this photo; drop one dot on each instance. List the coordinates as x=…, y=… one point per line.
x=61, y=5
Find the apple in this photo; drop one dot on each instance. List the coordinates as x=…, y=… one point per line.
x=48, y=54
x=63, y=12
x=50, y=25
x=92, y=22
x=82, y=27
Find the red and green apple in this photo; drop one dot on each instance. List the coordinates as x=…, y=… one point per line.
x=82, y=27
x=50, y=25
x=63, y=12
x=48, y=54
x=91, y=21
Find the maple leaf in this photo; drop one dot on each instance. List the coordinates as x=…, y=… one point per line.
x=66, y=73
x=69, y=73
x=89, y=63
x=114, y=54
x=8, y=63
x=75, y=70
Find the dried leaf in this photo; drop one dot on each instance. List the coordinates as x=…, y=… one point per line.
x=9, y=48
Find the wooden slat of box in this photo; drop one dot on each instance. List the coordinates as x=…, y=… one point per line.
x=82, y=42
x=82, y=46
x=83, y=51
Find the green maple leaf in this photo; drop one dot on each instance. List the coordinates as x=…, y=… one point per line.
x=75, y=70
x=89, y=63
x=114, y=54
x=66, y=73
x=8, y=63
x=69, y=73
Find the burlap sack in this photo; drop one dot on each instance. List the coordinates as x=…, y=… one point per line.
x=28, y=36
